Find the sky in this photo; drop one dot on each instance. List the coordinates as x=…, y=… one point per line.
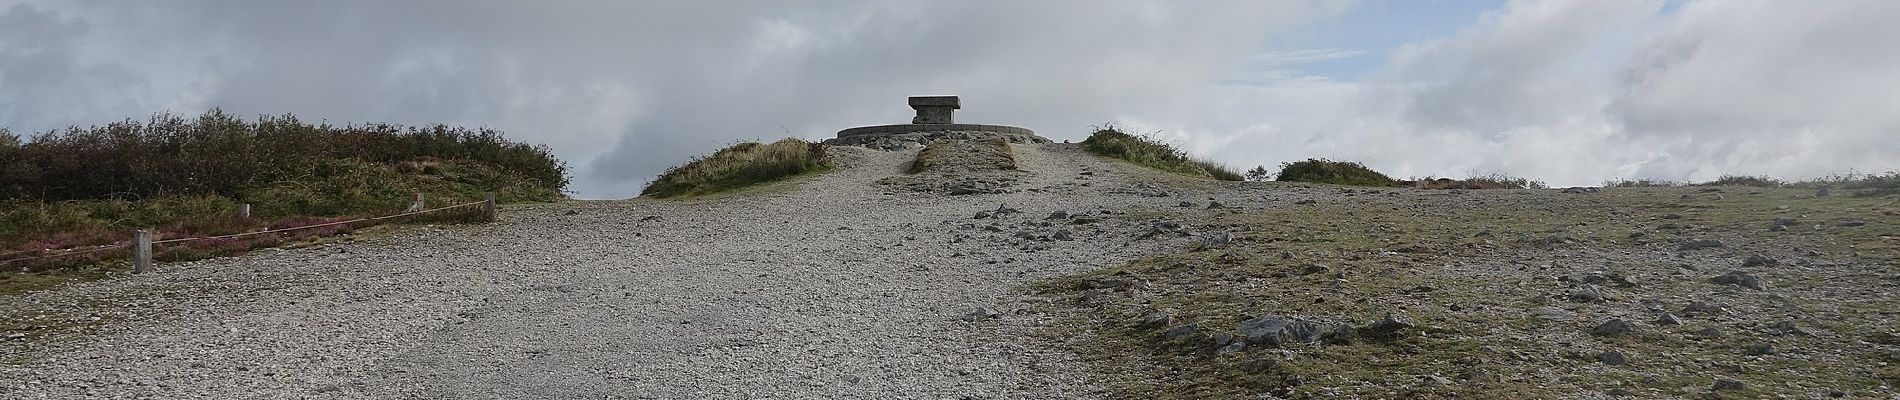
x=1568, y=92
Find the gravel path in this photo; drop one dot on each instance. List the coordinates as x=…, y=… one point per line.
x=829, y=288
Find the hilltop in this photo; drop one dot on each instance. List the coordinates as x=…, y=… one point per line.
x=1064, y=275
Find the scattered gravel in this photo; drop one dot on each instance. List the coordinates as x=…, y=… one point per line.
x=820, y=289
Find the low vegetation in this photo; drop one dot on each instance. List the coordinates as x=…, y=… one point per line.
x=83, y=188
x=1492, y=181
x=1504, y=296
x=1853, y=184
x=964, y=156
x=1320, y=170
x=740, y=165
x=1153, y=153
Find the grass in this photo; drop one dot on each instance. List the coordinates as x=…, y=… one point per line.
x=1153, y=153
x=738, y=166
x=1492, y=181
x=984, y=155
x=1466, y=270
x=1854, y=184
x=1320, y=170
x=89, y=188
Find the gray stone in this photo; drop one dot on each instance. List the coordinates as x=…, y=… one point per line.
x=934, y=109
x=1306, y=202
x=1708, y=332
x=1164, y=227
x=1587, y=294
x=1277, y=330
x=1725, y=384
x=1758, y=260
x=1612, y=357
x=1215, y=240
x=1785, y=328
x=1213, y=204
x=1615, y=327
x=1668, y=319
x=1580, y=189
x=1392, y=326
x=1619, y=392
x=1058, y=215
x=1758, y=349
x=1738, y=278
x=1231, y=345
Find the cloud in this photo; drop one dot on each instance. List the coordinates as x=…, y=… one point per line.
x=1579, y=92
x=624, y=89
x=1571, y=92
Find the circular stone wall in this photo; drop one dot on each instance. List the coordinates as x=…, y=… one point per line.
x=912, y=128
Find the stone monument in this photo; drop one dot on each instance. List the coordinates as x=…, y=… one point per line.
x=934, y=122
x=934, y=109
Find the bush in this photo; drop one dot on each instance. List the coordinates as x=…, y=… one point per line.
x=737, y=166
x=219, y=154
x=1491, y=181
x=1859, y=184
x=93, y=186
x=1625, y=183
x=1743, y=180
x=1320, y=170
x=1146, y=151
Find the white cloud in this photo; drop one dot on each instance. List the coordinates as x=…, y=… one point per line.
x=1580, y=92
x=624, y=89
x=1572, y=92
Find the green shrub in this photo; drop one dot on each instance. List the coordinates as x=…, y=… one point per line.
x=739, y=165
x=1858, y=184
x=1743, y=180
x=219, y=154
x=1146, y=151
x=1646, y=182
x=1320, y=170
x=185, y=177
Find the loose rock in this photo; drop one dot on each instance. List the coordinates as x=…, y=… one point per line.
x=1615, y=327
x=1738, y=278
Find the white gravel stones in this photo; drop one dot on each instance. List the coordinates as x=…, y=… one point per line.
x=809, y=290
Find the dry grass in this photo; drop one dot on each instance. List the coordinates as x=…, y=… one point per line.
x=738, y=166
x=1153, y=153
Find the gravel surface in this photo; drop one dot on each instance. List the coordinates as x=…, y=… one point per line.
x=825, y=288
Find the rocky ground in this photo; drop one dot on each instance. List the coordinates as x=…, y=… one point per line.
x=1725, y=292
x=1087, y=278
x=825, y=287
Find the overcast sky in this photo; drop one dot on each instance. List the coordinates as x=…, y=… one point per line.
x=1570, y=92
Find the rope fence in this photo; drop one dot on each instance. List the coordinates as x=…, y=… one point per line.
x=143, y=239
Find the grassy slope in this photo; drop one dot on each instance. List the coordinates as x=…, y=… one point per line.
x=85, y=187
x=739, y=166
x=1418, y=255
x=1153, y=153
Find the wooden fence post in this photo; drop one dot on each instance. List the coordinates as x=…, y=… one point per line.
x=244, y=211
x=142, y=251
x=488, y=206
x=415, y=204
